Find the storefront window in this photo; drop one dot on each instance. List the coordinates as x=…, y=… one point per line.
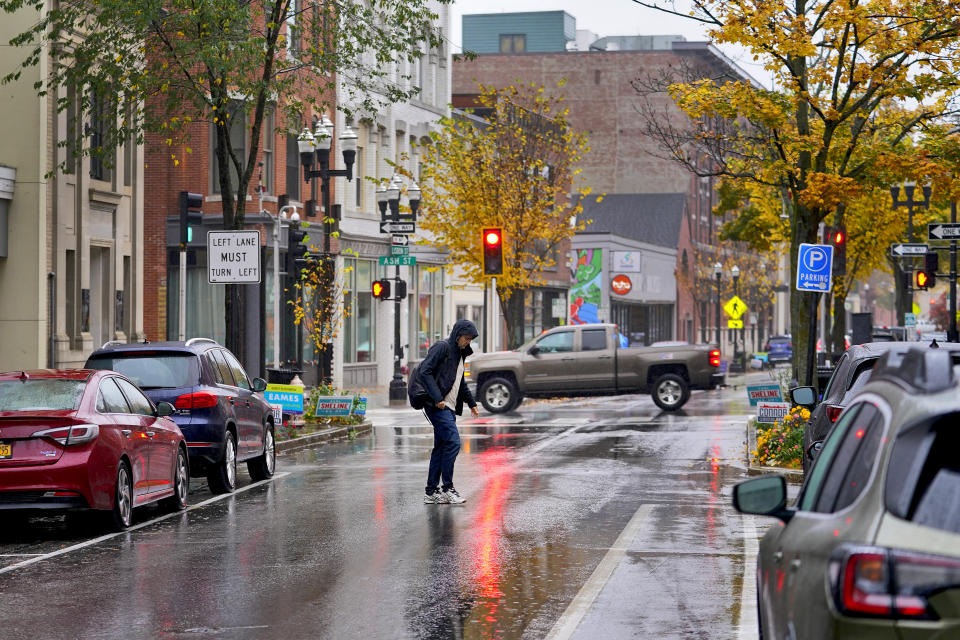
x=359, y=343
x=429, y=319
x=205, y=304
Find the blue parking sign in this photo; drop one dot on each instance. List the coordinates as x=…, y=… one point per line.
x=815, y=267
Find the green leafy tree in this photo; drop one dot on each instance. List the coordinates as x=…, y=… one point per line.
x=162, y=66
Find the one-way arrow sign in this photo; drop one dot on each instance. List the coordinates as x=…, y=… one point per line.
x=943, y=230
x=909, y=249
x=398, y=227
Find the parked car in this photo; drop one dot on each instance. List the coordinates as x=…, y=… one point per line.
x=779, y=349
x=851, y=373
x=221, y=412
x=75, y=439
x=871, y=546
x=588, y=360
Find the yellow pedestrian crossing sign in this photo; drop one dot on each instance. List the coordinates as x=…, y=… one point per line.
x=734, y=324
x=735, y=307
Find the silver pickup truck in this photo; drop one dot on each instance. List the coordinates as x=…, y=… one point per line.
x=588, y=360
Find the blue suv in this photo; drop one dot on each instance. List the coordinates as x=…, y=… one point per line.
x=220, y=411
x=779, y=349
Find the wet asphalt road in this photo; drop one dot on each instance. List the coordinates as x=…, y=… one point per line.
x=595, y=518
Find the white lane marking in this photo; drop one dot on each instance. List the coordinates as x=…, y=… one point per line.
x=581, y=603
x=90, y=543
x=19, y=555
x=748, y=592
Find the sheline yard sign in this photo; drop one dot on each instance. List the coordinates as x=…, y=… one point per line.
x=233, y=256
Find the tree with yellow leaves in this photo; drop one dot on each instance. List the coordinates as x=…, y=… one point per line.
x=837, y=66
x=513, y=168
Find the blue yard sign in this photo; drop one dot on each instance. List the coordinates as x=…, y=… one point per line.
x=289, y=398
x=814, y=267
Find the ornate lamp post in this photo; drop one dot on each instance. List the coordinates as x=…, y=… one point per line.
x=735, y=272
x=317, y=144
x=389, y=197
x=718, y=272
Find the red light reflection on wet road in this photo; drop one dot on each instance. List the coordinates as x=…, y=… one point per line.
x=488, y=525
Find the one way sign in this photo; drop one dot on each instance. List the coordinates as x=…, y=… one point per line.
x=943, y=230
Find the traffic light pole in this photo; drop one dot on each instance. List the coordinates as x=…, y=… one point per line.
x=398, y=388
x=952, y=330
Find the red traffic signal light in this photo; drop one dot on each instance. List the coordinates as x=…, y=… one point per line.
x=380, y=289
x=839, y=235
x=492, y=241
x=922, y=280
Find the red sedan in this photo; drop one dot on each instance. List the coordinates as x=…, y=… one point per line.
x=83, y=439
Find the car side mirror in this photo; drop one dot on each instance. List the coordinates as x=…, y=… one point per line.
x=534, y=350
x=259, y=385
x=763, y=496
x=814, y=449
x=804, y=396
x=165, y=409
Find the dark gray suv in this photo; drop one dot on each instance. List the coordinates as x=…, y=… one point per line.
x=221, y=412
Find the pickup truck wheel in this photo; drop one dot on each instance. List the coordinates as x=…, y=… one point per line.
x=670, y=392
x=499, y=395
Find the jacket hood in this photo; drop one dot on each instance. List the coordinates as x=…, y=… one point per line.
x=463, y=327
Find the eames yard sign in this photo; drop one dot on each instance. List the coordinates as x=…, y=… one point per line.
x=233, y=256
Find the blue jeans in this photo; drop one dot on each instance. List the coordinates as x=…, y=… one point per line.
x=446, y=446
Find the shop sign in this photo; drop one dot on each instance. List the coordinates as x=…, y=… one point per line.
x=621, y=285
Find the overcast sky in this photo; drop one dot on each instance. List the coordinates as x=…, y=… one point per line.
x=605, y=18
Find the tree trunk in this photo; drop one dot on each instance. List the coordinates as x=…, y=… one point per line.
x=513, y=317
x=839, y=328
x=802, y=308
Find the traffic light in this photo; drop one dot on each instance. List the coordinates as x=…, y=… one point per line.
x=296, y=247
x=381, y=289
x=401, y=292
x=927, y=277
x=492, y=240
x=837, y=236
x=190, y=215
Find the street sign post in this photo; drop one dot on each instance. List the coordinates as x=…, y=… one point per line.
x=943, y=230
x=815, y=268
x=398, y=261
x=233, y=256
x=398, y=227
x=908, y=249
x=735, y=308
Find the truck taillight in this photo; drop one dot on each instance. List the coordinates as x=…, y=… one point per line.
x=715, y=358
x=884, y=583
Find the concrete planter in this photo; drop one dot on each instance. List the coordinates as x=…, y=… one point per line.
x=335, y=432
x=793, y=476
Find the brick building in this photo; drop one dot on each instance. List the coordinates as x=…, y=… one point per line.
x=599, y=75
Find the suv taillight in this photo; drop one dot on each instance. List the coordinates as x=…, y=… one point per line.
x=199, y=400
x=879, y=582
x=75, y=434
x=715, y=358
x=833, y=412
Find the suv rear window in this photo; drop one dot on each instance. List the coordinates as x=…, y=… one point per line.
x=152, y=371
x=923, y=479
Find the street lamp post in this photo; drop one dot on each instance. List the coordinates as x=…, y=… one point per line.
x=910, y=204
x=389, y=196
x=718, y=272
x=280, y=217
x=735, y=272
x=318, y=143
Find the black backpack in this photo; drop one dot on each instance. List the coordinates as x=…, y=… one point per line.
x=416, y=392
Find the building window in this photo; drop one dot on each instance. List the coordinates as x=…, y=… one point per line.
x=293, y=167
x=100, y=112
x=269, y=135
x=429, y=319
x=205, y=302
x=238, y=140
x=513, y=43
x=293, y=32
x=359, y=336
x=358, y=179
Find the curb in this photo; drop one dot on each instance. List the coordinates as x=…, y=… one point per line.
x=327, y=435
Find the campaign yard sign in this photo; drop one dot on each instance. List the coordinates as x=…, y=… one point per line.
x=770, y=412
x=765, y=392
x=288, y=397
x=334, y=405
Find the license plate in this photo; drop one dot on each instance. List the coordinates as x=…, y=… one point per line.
x=6, y=451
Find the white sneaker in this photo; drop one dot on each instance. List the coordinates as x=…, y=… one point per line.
x=452, y=497
x=437, y=497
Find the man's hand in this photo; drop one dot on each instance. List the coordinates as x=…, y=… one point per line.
x=475, y=412
x=441, y=405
